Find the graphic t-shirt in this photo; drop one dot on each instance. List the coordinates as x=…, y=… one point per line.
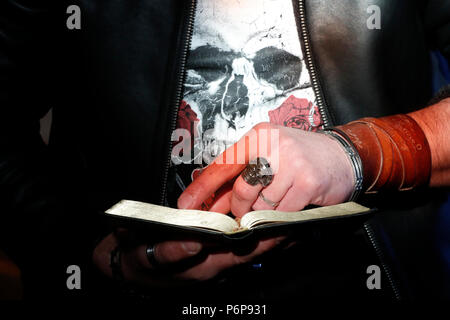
x=245, y=66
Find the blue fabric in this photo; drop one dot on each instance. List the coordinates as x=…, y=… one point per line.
x=443, y=245
x=441, y=77
x=441, y=71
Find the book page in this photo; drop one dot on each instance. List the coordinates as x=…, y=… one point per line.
x=260, y=217
x=188, y=218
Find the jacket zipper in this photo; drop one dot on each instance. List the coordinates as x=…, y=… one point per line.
x=178, y=93
x=310, y=64
x=321, y=104
x=387, y=270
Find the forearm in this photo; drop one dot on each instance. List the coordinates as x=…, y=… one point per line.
x=435, y=123
x=404, y=152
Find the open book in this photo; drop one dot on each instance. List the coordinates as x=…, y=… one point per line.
x=159, y=218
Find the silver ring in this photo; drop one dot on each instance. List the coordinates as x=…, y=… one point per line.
x=150, y=253
x=258, y=172
x=269, y=202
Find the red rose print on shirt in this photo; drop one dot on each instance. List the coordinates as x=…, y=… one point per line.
x=187, y=119
x=297, y=113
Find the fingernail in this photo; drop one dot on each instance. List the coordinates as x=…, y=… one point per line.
x=185, y=201
x=192, y=247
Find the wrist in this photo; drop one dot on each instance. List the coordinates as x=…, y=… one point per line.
x=353, y=158
x=394, y=152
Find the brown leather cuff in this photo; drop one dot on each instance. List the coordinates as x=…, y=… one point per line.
x=394, y=152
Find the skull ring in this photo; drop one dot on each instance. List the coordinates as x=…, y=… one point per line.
x=258, y=171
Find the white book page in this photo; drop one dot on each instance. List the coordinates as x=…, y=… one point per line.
x=188, y=218
x=259, y=217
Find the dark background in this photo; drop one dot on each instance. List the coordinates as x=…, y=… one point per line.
x=10, y=277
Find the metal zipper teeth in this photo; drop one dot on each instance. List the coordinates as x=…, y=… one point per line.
x=178, y=93
x=386, y=268
x=311, y=66
x=327, y=123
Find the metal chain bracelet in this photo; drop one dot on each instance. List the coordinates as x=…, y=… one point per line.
x=353, y=154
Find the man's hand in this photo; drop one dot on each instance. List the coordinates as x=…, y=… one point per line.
x=312, y=168
x=201, y=263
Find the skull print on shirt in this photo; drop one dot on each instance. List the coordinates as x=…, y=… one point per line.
x=245, y=66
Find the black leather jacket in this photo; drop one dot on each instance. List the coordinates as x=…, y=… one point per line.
x=114, y=87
